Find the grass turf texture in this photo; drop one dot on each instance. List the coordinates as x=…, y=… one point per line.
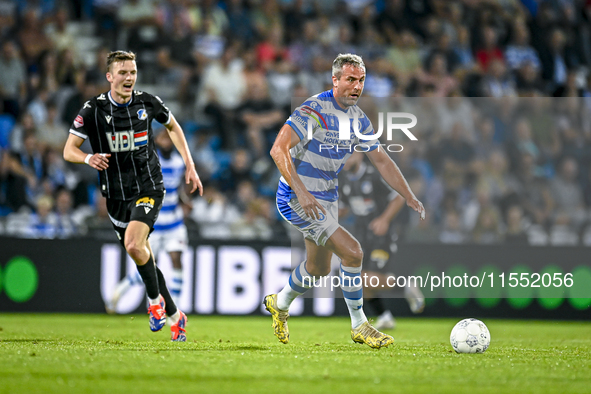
x=100, y=353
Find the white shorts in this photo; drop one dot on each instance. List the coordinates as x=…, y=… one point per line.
x=174, y=240
x=315, y=230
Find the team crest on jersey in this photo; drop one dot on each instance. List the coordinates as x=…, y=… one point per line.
x=78, y=122
x=142, y=114
x=146, y=202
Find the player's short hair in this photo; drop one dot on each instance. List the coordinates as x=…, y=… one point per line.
x=118, y=56
x=343, y=59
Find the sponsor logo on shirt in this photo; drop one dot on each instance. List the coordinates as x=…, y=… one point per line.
x=125, y=141
x=78, y=122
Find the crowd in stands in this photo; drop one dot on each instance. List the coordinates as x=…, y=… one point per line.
x=503, y=86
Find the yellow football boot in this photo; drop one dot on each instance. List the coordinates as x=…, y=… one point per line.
x=279, y=318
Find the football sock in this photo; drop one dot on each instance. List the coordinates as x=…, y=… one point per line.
x=125, y=284
x=174, y=319
x=378, y=305
x=299, y=282
x=352, y=288
x=150, y=278
x=170, y=305
x=176, y=285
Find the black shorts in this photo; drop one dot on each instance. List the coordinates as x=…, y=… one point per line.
x=144, y=208
x=376, y=251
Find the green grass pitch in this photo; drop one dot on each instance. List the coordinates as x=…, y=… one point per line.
x=112, y=354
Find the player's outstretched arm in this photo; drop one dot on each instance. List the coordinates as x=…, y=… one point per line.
x=180, y=142
x=287, y=139
x=393, y=176
x=74, y=154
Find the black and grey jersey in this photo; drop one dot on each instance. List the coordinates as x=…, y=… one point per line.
x=124, y=131
x=365, y=193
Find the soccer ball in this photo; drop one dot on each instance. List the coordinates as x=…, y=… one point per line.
x=470, y=336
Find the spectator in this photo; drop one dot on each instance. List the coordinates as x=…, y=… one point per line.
x=557, y=58
x=65, y=224
x=61, y=38
x=515, y=234
x=260, y=118
x=490, y=50
x=255, y=223
x=487, y=229
x=12, y=80
x=214, y=214
x=99, y=226
x=438, y=76
x=452, y=232
x=463, y=49
x=32, y=39
x=222, y=92
x=42, y=223
x=496, y=82
x=534, y=194
x=424, y=231
x=519, y=52
x=405, y=57
x=271, y=49
x=567, y=194
x=239, y=19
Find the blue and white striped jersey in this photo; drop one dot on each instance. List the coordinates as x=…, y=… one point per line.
x=171, y=214
x=319, y=160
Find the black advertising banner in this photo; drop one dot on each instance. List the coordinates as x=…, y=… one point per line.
x=232, y=277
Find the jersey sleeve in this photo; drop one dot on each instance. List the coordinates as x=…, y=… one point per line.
x=302, y=116
x=82, y=121
x=161, y=112
x=367, y=130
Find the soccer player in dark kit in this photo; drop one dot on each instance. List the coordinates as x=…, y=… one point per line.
x=118, y=126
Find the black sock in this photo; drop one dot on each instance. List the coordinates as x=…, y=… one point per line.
x=170, y=305
x=148, y=274
x=378, y=305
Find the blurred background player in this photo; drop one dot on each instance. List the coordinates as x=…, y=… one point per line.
x=374, y=205
x=170, y=232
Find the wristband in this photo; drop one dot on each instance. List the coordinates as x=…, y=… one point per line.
x=87, y=159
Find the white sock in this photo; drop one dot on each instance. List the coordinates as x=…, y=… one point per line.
x=386, y=315
x=176, y=285
x=154, y=301
x=174, y=319
x=299, y=282
x=286, y=296
x=352, y=288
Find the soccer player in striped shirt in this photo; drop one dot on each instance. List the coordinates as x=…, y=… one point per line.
x=307, y=196
x=118, y=124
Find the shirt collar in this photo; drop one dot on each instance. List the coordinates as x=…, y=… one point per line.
x=115, y=103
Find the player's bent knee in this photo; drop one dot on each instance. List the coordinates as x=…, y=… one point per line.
x=135, y=249
x=353, y=257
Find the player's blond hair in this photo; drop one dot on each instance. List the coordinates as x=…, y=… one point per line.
x=118, y=56
x=343, y=59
